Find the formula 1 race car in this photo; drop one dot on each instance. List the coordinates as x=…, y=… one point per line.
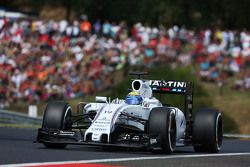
x=139, y=121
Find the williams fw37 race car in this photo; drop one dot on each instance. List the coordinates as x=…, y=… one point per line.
x=139, y=121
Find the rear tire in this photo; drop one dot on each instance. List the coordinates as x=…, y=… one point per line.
x=162, y=123
x=57, y=116
x=207, y=131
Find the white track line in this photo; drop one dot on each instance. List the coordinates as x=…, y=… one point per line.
x=244, y=136
x=125, y=159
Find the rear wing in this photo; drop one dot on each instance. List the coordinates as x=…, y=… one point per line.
x=176, y=87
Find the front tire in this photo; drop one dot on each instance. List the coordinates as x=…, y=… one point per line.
x=57, y=116
x=162, y=123
x=207, y=131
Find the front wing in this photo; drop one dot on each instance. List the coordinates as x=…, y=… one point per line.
x=76, y=138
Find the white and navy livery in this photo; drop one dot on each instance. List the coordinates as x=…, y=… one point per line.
x=147, y=125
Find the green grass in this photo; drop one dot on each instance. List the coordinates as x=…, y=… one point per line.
x=234, y=105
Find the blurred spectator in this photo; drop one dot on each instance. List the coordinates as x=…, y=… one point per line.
x=86, y=27
x=42, y=60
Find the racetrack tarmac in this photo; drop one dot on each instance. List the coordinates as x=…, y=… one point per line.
x=16, y=146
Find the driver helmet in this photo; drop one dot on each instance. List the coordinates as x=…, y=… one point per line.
x=133, y=98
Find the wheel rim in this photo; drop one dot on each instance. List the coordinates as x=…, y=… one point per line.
x=172, y=131
x=219, y=131
x=67, y=119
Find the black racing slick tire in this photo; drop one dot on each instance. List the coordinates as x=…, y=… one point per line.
x=57, y=116
x=162, y=124
x=207, y=131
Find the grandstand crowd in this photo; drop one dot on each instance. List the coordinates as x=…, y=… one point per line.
x=44, y=59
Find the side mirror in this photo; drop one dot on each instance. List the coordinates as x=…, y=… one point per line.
x=101, y=99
